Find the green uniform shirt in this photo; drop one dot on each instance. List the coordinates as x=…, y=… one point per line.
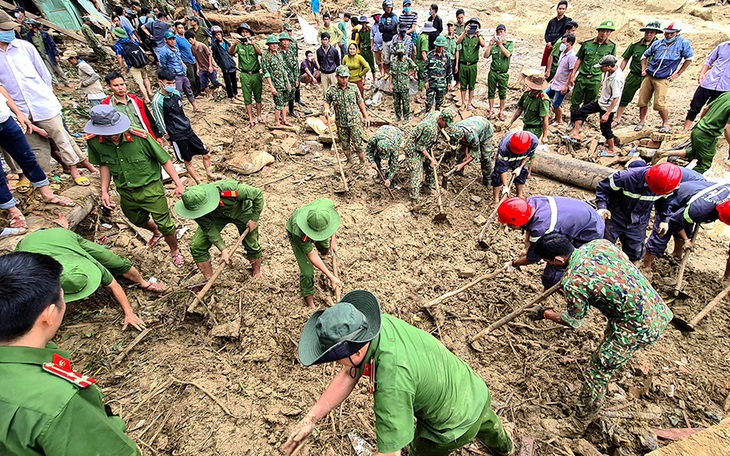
x=556, y=56
x=247, y=205
x=424, y=135
x=37, y=40
x=400, y=70
x=469, y=49
x=385, y=144
x=634, y=53
x=42, y=414
x=90, y=36
x=128, y=110
x=201, y=35
x=292, y=63
x=297, y=236
x=500, y=63
x=534, y=108
x=134, y=163
x=345, y=103
x=458, y=30
x=717, y=117
x=60, y=241
x=363, y=39
x=438, y=70
x=417, y=377
x=421, y=46
x=451, y=47
x=478, y=132
x=590, y=53
x=276, y=68
x=248, y=60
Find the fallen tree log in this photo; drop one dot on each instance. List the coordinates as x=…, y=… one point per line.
x=262, y=23
x=570, y=170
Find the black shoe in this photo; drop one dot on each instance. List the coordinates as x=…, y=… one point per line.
x=301, y=103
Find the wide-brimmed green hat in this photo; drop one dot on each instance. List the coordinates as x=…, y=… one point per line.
x=197, y=201
x=341, y=330
x=79, y=278
x=400, y=48
x=653, y=26
x=319, y=219
x=272, y=39
x=608, y=24
x=440, y=41
x=119, y=32
x=284, y=36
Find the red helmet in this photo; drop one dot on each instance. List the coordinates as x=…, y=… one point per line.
x=723, y=210
x=663, y=178
x=514, y=211
x=520, y=142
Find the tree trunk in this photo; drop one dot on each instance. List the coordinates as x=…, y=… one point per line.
x=262, y=23
x=570, y=170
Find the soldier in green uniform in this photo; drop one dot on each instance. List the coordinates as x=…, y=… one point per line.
x=598, y=274
x=88, y=265
x=47, y=407
x=402, y=69
x=437, y=72
x=633, y=53
x=365, y=44
x=291, y=60
x=451, y=48
x=500, y=49
x=133, y=159
x=313, y=225
x=277, y=78
x=473, y=136
x=535, y=106
x=93, y=41
x=422, y=55
x=418, y=148
x=385, y=145
x=248, y=53
x=345, y=99
x=213, y=207
x=470, y=41
x=585, y=78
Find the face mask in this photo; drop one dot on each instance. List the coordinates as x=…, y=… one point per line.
x=170, y=88
x=563, y=46
x=407, y=9
x=671, y=40
x=17, y=15
x=7, y=36
x=311, y=58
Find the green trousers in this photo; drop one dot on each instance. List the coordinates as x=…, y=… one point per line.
x=497, y=81
x=402, y=105
x=306, y=268
x=703, y=147
x=585, y=91
x=421, y=74
x=201, y=244
x=631, y=85
x=367, y=54
x=488, y=428
x=142, y=203
x=467, y=77
x=251, y=87
x=535, y=130
x=420, y=171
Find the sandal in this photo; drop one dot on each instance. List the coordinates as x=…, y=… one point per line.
x=251, y=125
x=287, y=123
x=615, y=123
x=154, y=240
x=569, y=139
x=177, y=259
x=61, y=201
x=82, y=181
x=155, y=287
x=23, y=186
x=606, y=153
x=502, y=117
x=489, y=114
x=664, y=129
x=262, y=120
x=639, y=126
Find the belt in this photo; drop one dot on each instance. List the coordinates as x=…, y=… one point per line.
x=532, y=126
x=467, y=63
x=588, y=76
x=499, y=72
x=250, y=72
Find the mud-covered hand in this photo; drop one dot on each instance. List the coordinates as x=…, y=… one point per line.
x=509, y=267
x=604, y=213
x=663, y=228
x=688, y=245
x=297, y=436
x=536, y=313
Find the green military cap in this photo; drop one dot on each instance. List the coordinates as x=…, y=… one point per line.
x=653, y=26
x=608, y=24
x=197, y=201
x=448, y=115
x=119, y=32
x=440, y=41
x=342, y=71
x=400, y=48
x=287, y=26
x=319, y=219
x=272, y=39
x=85, y=18
x=79, y=278
x=284, y=36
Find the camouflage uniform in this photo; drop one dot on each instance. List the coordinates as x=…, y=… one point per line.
x=598, y=274
x=423, y=137
x=345, y=104
x=437, y=73
x=400, y=70
x=385, y=145
x=292, y=67
x=477, y=132
x=275, y=67
x=93, y=41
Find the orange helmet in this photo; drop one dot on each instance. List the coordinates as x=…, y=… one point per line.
x=723, y=210
x=515, y=211
x=520, y=142
x=663, y=178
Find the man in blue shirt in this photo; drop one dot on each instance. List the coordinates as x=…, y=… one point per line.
x=659, y=68
x=187, y=57
x=170, y=57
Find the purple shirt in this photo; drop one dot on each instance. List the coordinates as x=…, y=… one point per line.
x=565, y=66
x=575, y=219
x=718, y=77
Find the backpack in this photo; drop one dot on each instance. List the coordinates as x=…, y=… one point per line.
x=135, y=55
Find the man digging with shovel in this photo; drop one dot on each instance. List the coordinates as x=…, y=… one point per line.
x=515, y=153
x=418, y=149
x=598, y=274
x=385, y=145
x=473, y=136
x=345, y=99
x=411, y=376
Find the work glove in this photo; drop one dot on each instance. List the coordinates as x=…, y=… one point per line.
x=537, y=313
x=327, y=112
x=505, y=190
x=604, y=213
x=509, y=267
x=517, y=171
x=663, y=228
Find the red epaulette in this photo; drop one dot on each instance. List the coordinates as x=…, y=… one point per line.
x=138, y=132
x=543, y=96
x=88, y=136
x=61, y=367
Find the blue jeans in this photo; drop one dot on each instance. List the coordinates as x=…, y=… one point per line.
x=13, y=141
x=556, y=96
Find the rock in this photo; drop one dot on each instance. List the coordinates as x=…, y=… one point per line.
x=475, y=199
x=314, y=146
x=466, y=272
x=703, y=13
x=122, y=240
x=280, y=134
x=231, y=330
x=480, y=220
x=291, y=411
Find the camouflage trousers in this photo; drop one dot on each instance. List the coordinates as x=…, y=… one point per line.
x=350, y=138
x=281, y=98
x=402, y=104
x=437, y=94
x=420, y=170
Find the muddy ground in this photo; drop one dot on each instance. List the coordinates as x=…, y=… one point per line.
x=532, y=369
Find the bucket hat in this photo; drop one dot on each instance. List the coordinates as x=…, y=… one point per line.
x=197, y=201
x=106, y=121
x=342, y=71
x=341, y=330
x=608, y=24
x=319, y=219
x=653, y=26
x=79, y=278
x=244, y=26
x=287, y=27
x=606, y=60
x=428, y=27
x=536, y=81
x=363, y=19
x=284, y=36
x=68, y=54
x=440, y=41
x=272, y=39
x=121, y=33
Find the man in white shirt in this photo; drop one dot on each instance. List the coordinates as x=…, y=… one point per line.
x=27, y=80
x=606, y=105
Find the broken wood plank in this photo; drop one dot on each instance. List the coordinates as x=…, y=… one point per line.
x=675, y=434
x=69, y=33
x=570, y=170
x=293, y=128
x=623, y=136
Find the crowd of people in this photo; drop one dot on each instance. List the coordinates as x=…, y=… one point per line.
x=125, y=139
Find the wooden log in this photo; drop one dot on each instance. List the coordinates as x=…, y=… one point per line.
x=261, y=23
x=570, y=170
x=623, y=136
x=63, y=31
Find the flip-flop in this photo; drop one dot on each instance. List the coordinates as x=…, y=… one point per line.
x=23, y=186
x=502, y=117
x=177, y=259
x=251, y=125
x=82, y=181
x=154, y=240
x=60, y=201
x=605, y=153
x=639, y=126
x=287, y=123
x=155, y=287
x=664, y=129
x=569, y=139
x=615, y=123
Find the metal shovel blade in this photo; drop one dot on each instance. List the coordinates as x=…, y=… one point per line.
x=440, y=217
x=682, y=325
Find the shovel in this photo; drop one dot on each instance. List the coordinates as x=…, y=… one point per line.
x=678, y=293
x=450, y=294
x=441, y=216
x=337, y=155
x=446, y=176
x=336, y=272
x=511, y=316
x=683, y=326
x=481, y=241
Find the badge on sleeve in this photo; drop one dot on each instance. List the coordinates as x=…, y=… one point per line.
x=61, y=367
x=369, y=372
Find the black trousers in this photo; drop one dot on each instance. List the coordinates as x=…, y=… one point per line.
x=591, y=108
x=231, y=82
x=701, y=97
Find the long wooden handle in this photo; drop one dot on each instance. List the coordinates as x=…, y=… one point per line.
x=685, y=259
x=217, y=272
x=511, y=316
x=450, y=294
x=710, y=306
x=496, y=207
x=337, y=154
x=336, y=272
x=383, y=177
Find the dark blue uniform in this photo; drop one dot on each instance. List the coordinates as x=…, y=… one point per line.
x=508, y=160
